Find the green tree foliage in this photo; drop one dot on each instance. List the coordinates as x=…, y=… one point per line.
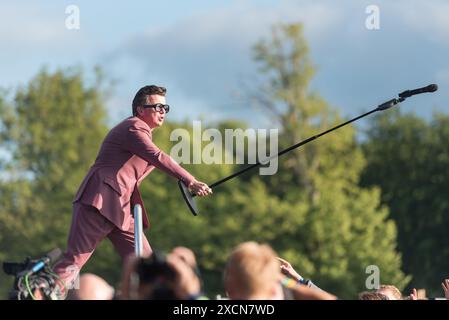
x=51, y=132
x=336, y=228
x=408, y=158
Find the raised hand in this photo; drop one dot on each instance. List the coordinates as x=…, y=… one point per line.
x=287, y=269
x=413, y=295
x=445, y=285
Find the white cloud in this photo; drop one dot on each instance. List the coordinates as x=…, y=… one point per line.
x=29, y=25
x=34, y=35
x=429, y=18
x=206, y=57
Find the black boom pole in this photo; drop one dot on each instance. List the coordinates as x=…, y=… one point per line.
x=188, y=197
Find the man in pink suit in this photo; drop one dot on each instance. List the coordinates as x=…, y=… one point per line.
x=103, y=204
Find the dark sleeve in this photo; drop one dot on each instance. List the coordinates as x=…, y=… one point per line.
x=139, y=142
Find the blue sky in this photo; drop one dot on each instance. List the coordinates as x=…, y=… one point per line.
x=201, y=50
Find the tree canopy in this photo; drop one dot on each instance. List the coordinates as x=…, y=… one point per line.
x=408, y=158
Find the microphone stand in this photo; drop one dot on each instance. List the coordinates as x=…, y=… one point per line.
x=188, y=197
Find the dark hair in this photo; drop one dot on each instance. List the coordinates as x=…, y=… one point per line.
x=157, y=276
x=141, y=96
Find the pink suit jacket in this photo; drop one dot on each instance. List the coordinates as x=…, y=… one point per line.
x=126, y=157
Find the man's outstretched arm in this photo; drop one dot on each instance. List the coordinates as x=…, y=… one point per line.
x=139, y=143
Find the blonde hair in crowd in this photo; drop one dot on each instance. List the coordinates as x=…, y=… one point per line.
x=252, y=269
x=390, y=291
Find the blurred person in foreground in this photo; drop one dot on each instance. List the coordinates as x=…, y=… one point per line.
x=372, y=295
x=445, y=286
x=414, y=295
x=289, y=271
x=91, y=287
x=390, y=291
x=160, y=277
x=103, y=204
x=253, y=272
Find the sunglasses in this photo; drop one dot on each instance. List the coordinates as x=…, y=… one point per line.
x=158, y=107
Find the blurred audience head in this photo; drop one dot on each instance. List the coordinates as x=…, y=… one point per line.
x=372, y=295
x=161, y=277
x=390, y=291
x=185, y=254
x=252, y=272
x=91, y=287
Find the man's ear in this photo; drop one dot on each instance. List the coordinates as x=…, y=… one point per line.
x=139, y=110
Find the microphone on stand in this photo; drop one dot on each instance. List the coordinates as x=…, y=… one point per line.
x=406, y=94
x=409, y=93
